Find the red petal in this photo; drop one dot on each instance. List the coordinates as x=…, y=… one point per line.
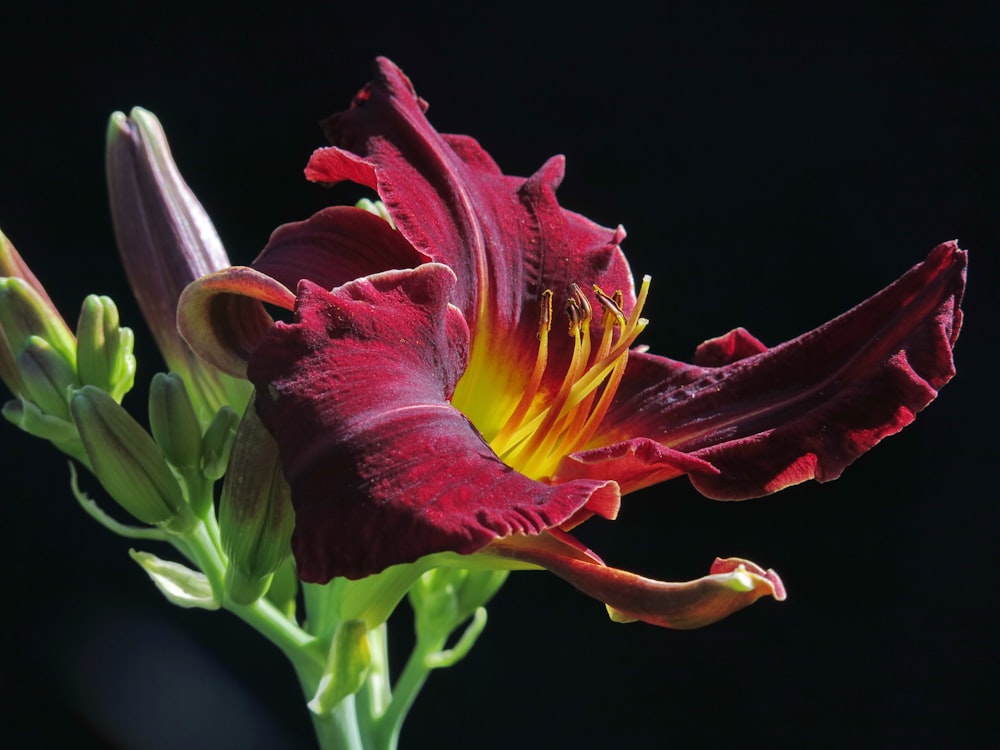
x=383, y=469
x=723, y=350
x=731, y=585
x=804, y=409
x=221, y=316
x=335, y=246
x=505, y=237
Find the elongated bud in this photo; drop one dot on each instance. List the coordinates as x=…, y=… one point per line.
x=173, y=422
x=12, y=331
x=48, y=377
x=103, y=348
x=166, y=241
x=128, y=463
x=255, y=512
x=217, y=443
x=27, y=312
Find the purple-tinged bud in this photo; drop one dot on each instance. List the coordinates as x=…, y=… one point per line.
x=166, y=241
x=25, y=312
x=255, y=512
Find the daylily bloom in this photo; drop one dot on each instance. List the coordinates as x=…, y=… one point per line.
x=427, y=399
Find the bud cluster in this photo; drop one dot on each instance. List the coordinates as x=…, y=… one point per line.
x=68, y=385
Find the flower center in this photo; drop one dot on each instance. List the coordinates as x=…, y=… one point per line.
x=533, y=423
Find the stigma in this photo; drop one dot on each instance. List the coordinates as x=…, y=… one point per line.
x=547, y=417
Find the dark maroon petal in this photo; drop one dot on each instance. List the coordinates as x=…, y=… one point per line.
x=731, y=584
x=723, y=350
x=634, y=464
x=335, y=246
x=221, y=316
x=804, y=409
x=505, y=237
x=383, y=469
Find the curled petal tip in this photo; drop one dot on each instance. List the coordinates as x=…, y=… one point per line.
x=222, y=318
x=731, y=584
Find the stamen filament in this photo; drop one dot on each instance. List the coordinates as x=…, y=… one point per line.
x=535, y=443
x=541, y=360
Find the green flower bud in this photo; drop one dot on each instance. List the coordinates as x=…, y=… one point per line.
x=48, y=378
x=255, y=512
x=347, y=666
x=103, y=349
x=444, y=598
x=173, y=422
x=217, y=443
x=376, y=207
x=26, y=312
x=128, y=463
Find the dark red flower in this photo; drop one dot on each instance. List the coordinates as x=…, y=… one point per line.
x=426, y=399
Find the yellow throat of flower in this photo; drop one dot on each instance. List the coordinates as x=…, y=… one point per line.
x=532, y=430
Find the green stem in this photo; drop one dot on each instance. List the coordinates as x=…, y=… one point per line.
x=415, y=673
x=374, y=698
x=339, y=729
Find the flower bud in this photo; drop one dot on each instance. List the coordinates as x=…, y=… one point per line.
x=103, y=349
x=128, y=463
x=255, y=512
x=25, y=311
x=48, y=378
x=443, y=598
x=217, y=443
x=173, y=422
x=166, y=241
x=13, y=266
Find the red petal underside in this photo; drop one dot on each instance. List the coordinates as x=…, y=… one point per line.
x=222, y=317
x=506, y=238
x=383, y=469
x=336, y=245
x=731, y=584
x=804, y=409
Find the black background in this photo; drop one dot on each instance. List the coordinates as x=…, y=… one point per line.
x=772, y=170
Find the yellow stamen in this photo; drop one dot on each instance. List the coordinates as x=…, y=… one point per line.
x=539, y=432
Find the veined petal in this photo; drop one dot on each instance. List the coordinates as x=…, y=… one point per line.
x=221, y=315
x=731, y=584
x=336, y=245
x=383, y=469
x=506, y=238
x=804, y=409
